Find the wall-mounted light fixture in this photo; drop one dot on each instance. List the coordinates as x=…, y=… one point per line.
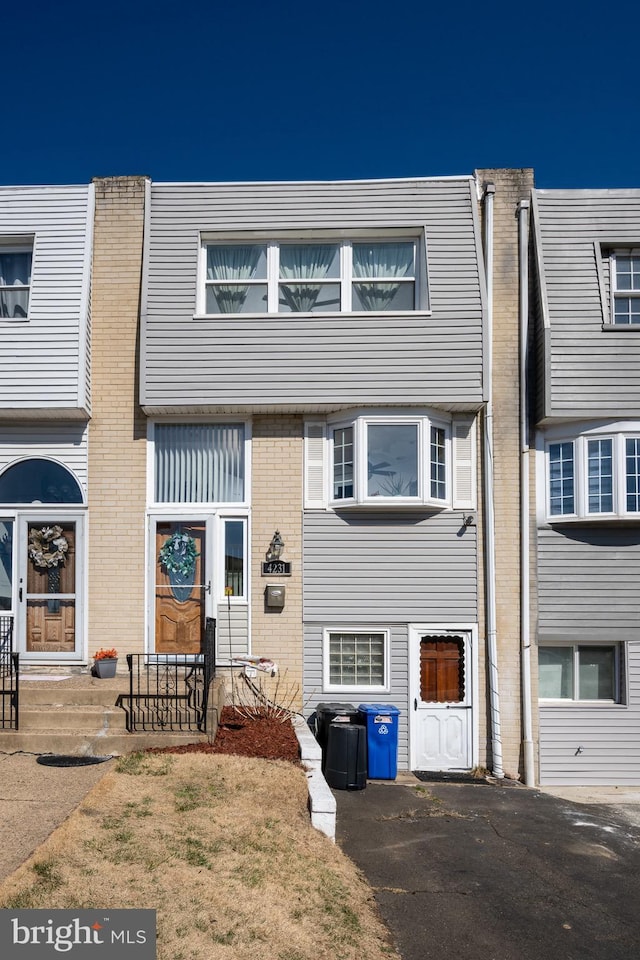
x=469, y=520
x=275, y=547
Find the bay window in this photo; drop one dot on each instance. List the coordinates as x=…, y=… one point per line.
x=594, y=476
x=393, y=460
x=373, y=275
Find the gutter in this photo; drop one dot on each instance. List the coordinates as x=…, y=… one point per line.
x=488, y=500
x=525, y=575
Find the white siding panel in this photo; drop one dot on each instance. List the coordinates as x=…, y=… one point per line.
x=40, y=361
x=64, y=442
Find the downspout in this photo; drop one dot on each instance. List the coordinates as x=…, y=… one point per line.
x=525, y=624
x=489, y=518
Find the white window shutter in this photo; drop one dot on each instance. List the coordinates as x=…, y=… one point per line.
x=464, y=465
x=315, y=466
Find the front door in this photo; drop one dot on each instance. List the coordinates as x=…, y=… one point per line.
x=181, y=585
x=49, y=588
x=441, y=725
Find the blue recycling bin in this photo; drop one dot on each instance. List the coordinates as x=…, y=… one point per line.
x=381, y=722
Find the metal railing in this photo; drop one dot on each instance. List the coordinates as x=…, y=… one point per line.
x=170, y=693
x=9, y=677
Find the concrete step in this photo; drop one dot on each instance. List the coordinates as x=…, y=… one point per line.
x=92, y=692
x=80, y=717
x=102, y=744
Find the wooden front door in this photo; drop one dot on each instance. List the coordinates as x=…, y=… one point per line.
x=48, y=588
x=180, y=587
x=441, y=728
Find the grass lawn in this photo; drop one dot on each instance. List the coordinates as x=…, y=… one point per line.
x=222, y=848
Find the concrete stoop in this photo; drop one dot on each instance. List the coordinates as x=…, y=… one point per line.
x=80, y=715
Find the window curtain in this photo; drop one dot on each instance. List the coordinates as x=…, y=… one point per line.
x=384, y=260
x=15, y=271
x=199, y=463
x=233, y=263
x=309, y=262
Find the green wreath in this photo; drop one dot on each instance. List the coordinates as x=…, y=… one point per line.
x=178, y=554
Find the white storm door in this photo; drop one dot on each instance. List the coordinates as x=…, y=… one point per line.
x=50, y=615
x=441, y=700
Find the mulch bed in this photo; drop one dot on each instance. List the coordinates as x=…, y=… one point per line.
x=263, y=737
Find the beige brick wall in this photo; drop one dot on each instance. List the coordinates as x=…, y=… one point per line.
x=276, y=504
x=117, y=431
x=511, y=187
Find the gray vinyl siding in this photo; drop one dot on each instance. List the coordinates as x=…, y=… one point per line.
x=587, y=358
x=399, y=685
x=588, y=583
x=594, y=745
x=232, y=632
x=307, y=360
x=42, y=363
x=588, y=591
x=375, y=572
x=64, y=442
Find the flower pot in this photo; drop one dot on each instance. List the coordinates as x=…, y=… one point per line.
x=105, y=668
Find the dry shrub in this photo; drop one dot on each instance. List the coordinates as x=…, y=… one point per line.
x=222, y=848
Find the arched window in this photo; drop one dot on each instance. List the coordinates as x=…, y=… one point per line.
x=39, y=481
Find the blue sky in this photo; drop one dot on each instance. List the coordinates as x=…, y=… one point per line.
x=336, y=90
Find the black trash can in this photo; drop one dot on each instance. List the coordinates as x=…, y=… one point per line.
x=326, y=713
x=346, y=757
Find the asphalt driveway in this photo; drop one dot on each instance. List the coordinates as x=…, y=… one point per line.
x=477, y=870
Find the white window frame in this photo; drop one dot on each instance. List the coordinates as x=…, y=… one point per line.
x=219, y=530
x=618, y=435
x=19, y=245
x=618, y=665
x=344, y=240
x=618, y=294
x=329, y=687
x=360, y=425
x=195, y=506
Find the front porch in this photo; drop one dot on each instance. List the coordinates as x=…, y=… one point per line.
x=80, y=715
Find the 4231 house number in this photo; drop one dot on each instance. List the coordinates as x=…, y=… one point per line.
x=272, y=568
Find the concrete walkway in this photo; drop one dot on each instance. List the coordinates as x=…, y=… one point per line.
x=34, y=800
x=499, y=872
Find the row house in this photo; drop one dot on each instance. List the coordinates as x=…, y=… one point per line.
x=363, y=425
x=585, y=446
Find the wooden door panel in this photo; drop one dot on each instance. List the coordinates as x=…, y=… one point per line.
x=442, y=670
x=179, y=611
x=51, y=622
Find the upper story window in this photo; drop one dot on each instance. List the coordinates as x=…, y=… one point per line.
x=594, y=476
x=199, y=462
x=15, y=281
x=390, y=460
x=625, y=286
x=310, y=277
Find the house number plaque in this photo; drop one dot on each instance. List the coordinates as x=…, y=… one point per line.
x=274, y=568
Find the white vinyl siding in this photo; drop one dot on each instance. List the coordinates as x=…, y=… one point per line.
x=43, y=367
